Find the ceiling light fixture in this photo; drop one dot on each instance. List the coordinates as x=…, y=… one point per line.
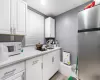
x=43, y=2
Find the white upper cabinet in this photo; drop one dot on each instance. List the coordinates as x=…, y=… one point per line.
x=22, y=9
x=10, y=11
x=49, y=27
x=13, y=23
x=4, y=16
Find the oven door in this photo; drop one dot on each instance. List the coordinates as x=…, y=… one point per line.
x=18, y=76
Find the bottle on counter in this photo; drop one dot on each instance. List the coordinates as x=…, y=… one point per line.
x=56, y=42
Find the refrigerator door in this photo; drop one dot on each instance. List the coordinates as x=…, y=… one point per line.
x=89, y=55
x=89, y=18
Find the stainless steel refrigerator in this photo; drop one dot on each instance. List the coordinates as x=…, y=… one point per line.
x=89, y=44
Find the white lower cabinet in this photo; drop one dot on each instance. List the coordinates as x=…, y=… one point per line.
x=34, y=69
x=18, y=76
x=56, y=61
x=13, y=72
x=38, y=68
x=51, y=63
x=47, y=65
x=44, y=67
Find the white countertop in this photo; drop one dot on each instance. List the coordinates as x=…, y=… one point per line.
x=28, y=52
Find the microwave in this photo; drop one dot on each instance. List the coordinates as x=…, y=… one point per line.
x=13, y=48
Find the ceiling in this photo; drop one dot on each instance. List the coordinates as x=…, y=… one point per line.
x=54, y=7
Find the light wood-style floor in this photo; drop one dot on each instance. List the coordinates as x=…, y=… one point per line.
x=59, y=76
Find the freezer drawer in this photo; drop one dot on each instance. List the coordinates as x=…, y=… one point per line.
x=89, y=18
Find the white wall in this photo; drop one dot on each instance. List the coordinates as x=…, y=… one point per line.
x=66, y=31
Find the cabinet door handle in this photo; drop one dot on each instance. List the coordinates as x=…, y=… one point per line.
x=35, y=62
x=11, y=30
x=14, y=30
x=8, y=74
x=41, y=65
x=23, y=76
x=52, y=59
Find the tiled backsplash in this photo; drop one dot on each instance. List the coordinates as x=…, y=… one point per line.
x=10, y=38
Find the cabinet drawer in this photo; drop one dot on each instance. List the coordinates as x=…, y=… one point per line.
x=11, y=70
x=34, y=61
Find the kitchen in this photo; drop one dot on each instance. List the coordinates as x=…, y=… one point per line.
x=38, y=38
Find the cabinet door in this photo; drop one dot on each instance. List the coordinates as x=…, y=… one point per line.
x=47, y=66
x=4, y=16
x=52, y=30
x=34, y=69
x=21, y=24
x=47, y=28
x=56, y=61
x=14, y=7
x=51, y=63
x=18, y=76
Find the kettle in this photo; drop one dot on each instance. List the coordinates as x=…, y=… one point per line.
x=3, y=53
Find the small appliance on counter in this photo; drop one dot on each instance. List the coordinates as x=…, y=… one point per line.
x=38, y=46
x=44, y=47
x=56, y=43
x=3, y=53
x=66, y=58
x=50, y=44
x=12, y=48
x=41, y=47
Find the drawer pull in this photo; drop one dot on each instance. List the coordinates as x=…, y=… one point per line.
x=34, y=62
x=53, y=59
x=10, y=72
